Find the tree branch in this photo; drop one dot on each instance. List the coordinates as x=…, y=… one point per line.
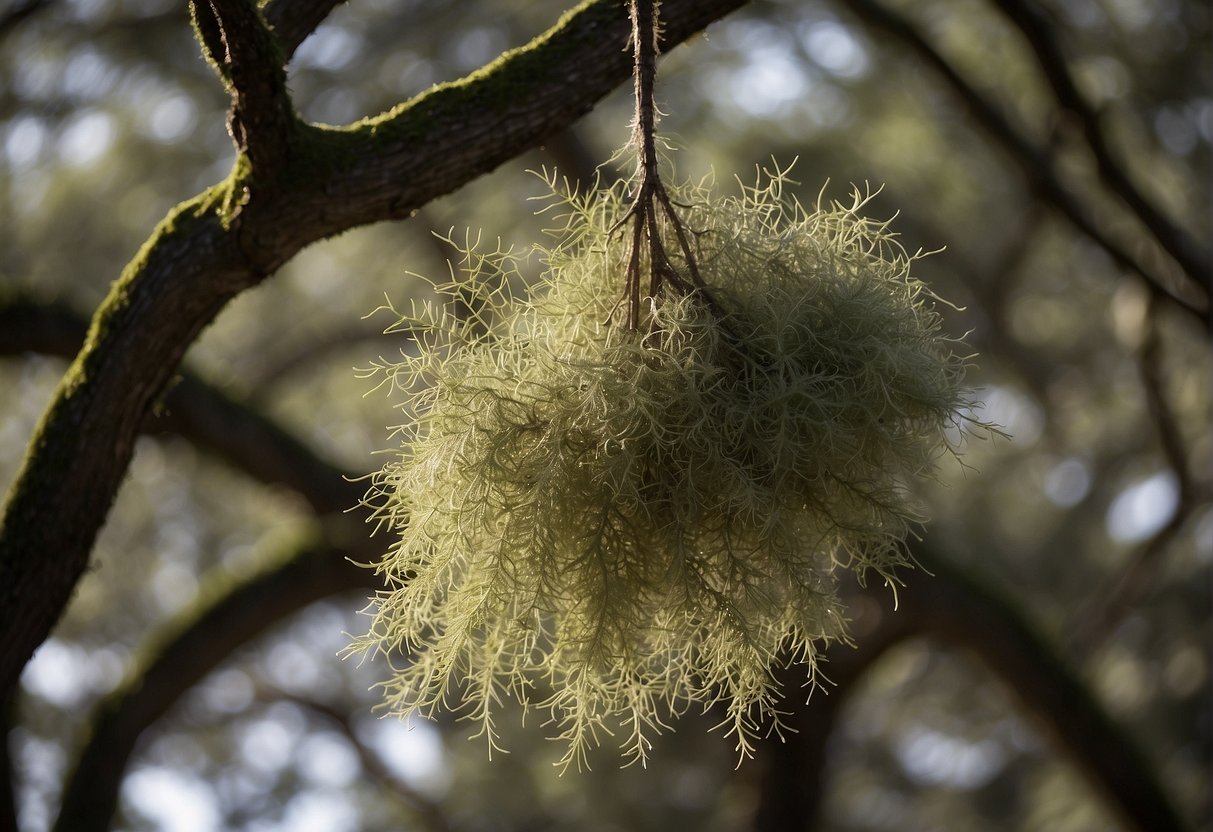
x=196, y=261
x=1036, y=164
x=1039, y=33
x=795, y=770
x=213, y=420
x=1134, y=580
x=950, y=606
x=18, y=13
x=239, y=44
x=225, y=617
x=293, y=20
x=426, y=811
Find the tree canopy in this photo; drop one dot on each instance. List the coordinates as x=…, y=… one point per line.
x=201, y=207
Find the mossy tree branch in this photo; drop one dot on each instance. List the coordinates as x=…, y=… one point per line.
x=239, y=44
x=197, y=260
x=228, y=613
x=213, y=420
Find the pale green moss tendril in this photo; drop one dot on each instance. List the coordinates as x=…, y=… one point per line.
x=616, y=526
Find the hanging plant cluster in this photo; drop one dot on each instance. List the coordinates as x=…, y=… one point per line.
x=626, y=493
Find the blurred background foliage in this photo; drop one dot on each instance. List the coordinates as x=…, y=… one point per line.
x=1093, y=517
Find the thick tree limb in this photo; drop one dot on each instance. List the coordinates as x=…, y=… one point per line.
x=227, y=615
x=1036, y=164
x=214, y=246
x=1041, y=37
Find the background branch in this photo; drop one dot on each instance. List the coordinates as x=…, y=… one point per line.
x=19, y=12
x=428, y=813
x=1136, y=578
x=1040, y=35
x=795, y=767
x=1035, y=164
x=954, y=607
x=293, y=20
x=226, y=616
x=948, y=605
x=212, y=419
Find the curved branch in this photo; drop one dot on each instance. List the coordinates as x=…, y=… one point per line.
x=950, y=606
x=213, y=420
x=955, y=607
x=427, y=812
x=1035, y=164
x=1040, y=35
x=225, y=617
x=207, y=251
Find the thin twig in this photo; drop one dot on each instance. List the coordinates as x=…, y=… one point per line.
x=1036, y=163
x=651, y=200
x=427, y=811
x=1040, y=35
x=1139, y=574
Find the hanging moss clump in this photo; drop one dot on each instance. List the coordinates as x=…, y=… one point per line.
x=615, y=525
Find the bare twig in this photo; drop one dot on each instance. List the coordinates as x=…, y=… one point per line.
x=1137, y=577
x=427, y=811
x=1036, y=164
x=651, y=204
x=1040, y=35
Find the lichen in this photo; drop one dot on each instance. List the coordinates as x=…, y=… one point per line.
x=615, y=526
